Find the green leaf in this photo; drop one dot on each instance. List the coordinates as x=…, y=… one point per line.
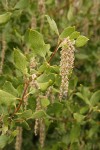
x=43, y=67
x=80, y=95
x=45, y=102
x=43, y=86
x=35, y=41
x=54, y=69
x=85, y=99
x=20, y=61
x=8, y=87
x=26, y=114
x=5, y=17
x=74, y=35
x=34, y=38
x=53, y=25
x=21, y=4
x=92, y=131
x=70, y=14
x=79, y=117
x=12, y=136
x=39, y=114
x=25, y=125
x=95, y=98
x=84, y=110
x=67, y=32
x=46, y=78
x=3, y=141
x=6, y=98
x=75, y=133
x=81, y=41
x=82, y=56
x=55, y=108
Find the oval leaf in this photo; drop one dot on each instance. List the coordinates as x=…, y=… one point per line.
x=81, y=41
x=22, y=4
x=20, y=61
x=35, y=41
x=39, y=114
x=8, y=87
x=6, y=98
x=3, y=141
x=67, y=32
x=74, y=35
x=45, y=102
x=5, y=17
x=52, y=24
x=95, y=98
x=75, y=133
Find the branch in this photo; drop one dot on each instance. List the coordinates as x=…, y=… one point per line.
x=53, y=54
x=22, y=99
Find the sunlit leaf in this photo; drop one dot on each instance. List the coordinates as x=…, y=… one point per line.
x=67, y=32
x=6, y=98
x=5, y=17
x=20, y=61
x=81, y=41
x=52, y=24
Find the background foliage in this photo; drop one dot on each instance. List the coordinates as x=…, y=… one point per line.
x=75, y=122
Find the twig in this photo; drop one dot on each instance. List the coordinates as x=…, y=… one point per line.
x=53, y=54
x=22, y=99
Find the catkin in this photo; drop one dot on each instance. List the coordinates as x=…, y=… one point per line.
x=66, y=65
x=18, y=143
x=38, y=107
x=33, y=22
x=42, y=132
x=42, y=11
x=50, y=95
x=2, y=53
x=39, y=127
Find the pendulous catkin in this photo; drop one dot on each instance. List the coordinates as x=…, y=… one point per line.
x=66, y=65
x=39, y=127
x=2, y=53
x=42, y=11
x=42, y=132
x=38, y=107
x=18, y=143
x=50, y=95
x=33, y=22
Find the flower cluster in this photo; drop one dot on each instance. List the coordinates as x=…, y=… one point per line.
x=66, y=65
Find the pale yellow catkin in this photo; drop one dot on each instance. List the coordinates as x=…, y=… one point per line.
x=36, y=126
x=42, y=11
x=18, y=143
x=2, y=53
x=66, y=65
x=50, y=95
x=42, y=133
x=33, y=22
